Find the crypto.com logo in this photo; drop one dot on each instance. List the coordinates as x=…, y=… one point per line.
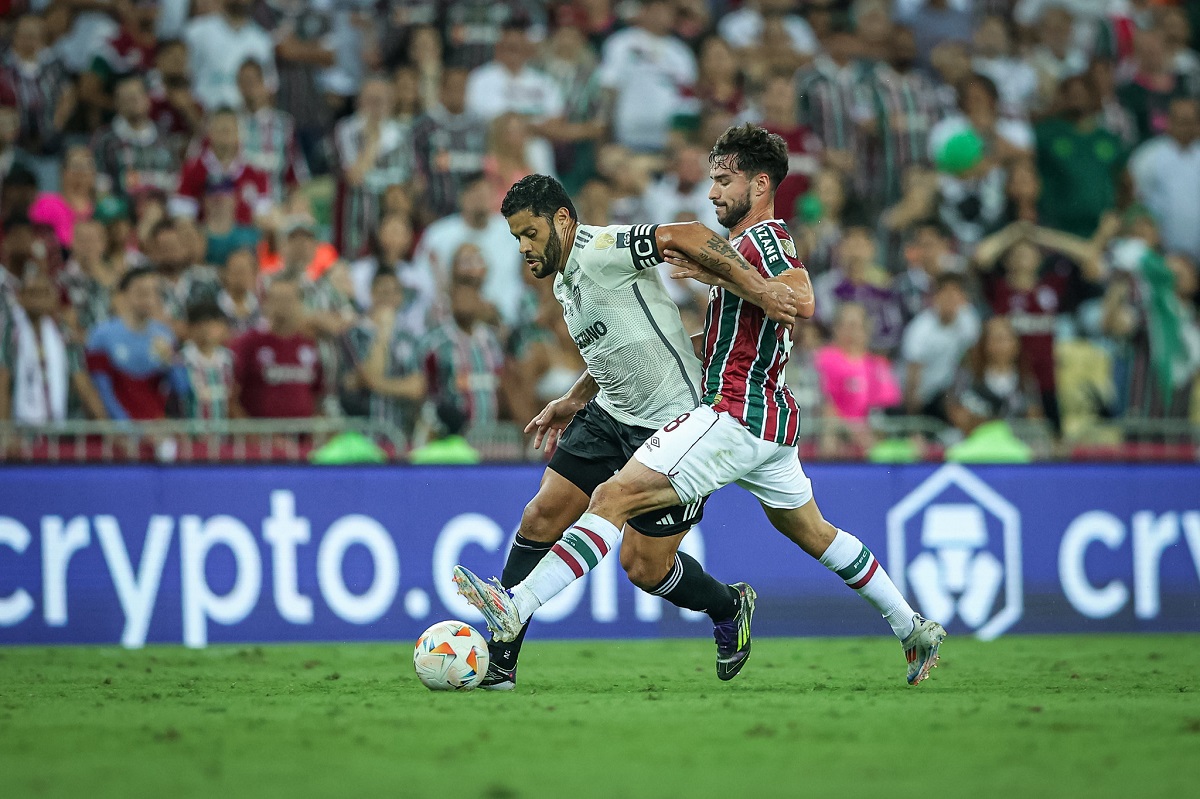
x=957, y=544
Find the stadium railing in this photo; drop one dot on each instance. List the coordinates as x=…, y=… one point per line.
x=293, y=440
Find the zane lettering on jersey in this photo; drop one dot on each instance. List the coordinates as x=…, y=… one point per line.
x=591, y=335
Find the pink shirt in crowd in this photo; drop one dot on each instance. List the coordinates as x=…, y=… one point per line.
x=855, y=385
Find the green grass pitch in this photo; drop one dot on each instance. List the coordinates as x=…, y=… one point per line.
x=1020, y=717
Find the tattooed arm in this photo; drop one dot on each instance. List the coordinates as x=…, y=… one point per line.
x=715, y=255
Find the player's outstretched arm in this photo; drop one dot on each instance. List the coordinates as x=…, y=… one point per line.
x=795, y=279
x=715, y=255
x=554, y=418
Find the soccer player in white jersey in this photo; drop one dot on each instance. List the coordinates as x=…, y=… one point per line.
x=743, y=431
x=641, y=373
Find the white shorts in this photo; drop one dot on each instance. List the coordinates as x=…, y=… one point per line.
x=703, y=450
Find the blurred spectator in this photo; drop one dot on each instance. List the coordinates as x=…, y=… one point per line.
x=406, y=94
x=219, y=161
x=859, y=279
x=300, y=254
x=35, y=82
x=743, y=29
x=476, y=224
x=898, y=105
x=1032, y=289
x=302, y=32
x=218, y=44
x=648, y=73
x=1152, y=332
x=89, y=279
x=825, y=212
x=1152, y=86
x=509, y=84
x=222, y=233
x=1166, y=174
x=120, y=248
x=974, y=151
x=475, y=28
x=854, y=380
x=951, y=65
x=1177, y=34
x=60, y=211
x=428, y=61
x=202, y=377
x=20, y=253
x=827, y=93
x=126, y=52
x=1057, y=55
x=132, y=154
x=934, y=344
x=183, y=279
x=571, y=64
x=682, y=192
x=238, y=297
x=449, y=446
x=129, y=355
x=268, y=135
x=450, y=143
x=462, y=357
x=506, y=163
x=384, y=356
x=10, y=157
x=717, y=90
x=936, y=21
x=403, y=35
x=393, y=248
x=40, y=367
x=1013, y=76
x=995, y=382
x=928, y=253
x=276, y=368
x=373, y=151
x=173, y=105
x=776, y=111
x=1113, y=115
x=1079, y=161
x=627, y=176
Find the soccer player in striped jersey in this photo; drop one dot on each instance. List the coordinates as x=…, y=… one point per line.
x=641, y=373
x=745, y=429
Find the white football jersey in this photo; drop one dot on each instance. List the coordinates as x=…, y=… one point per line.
x=626, y=327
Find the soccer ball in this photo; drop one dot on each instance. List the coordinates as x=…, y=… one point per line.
x=451, y=656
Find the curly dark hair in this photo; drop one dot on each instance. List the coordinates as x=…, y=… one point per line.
x=754, y=152
x=541, y=195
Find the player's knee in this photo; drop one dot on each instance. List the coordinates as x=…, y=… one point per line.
x=539, y=522
x=610, y=499
x=644, y=569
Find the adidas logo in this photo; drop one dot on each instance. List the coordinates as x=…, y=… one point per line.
x=667, y=520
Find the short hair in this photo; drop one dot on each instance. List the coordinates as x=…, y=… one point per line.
x=755, y=151
x=20, y=176
x=541, y=195
x=204, y=311
x=222, y=111
x=134, y=275
x=17, y=219
x=251, y=63
x=167, y=44
x=986, y=83
x=949, y=280
x=242, y=251
x=383, y=273
x=162, y=226
x=129, y=77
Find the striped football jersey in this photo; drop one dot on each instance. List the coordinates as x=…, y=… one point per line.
x=745, y=352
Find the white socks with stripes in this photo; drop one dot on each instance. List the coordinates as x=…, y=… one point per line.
x=582, y=546
x=849, y=559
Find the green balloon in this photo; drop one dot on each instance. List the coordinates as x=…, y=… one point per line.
x=960, y=153
x=348, y=447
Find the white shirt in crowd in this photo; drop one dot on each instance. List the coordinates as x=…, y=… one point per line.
x=1016, y=83
x=503, y=285
x=216, y=51
x=492, y=90
x=743, y=29
x=649, y=75
x=938, y=348
x=1166, y=178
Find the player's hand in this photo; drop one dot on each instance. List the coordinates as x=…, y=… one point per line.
x=683, y=267
x=779, y=302
x=552, y=421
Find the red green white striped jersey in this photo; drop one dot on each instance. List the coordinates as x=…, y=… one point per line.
x=745, y=352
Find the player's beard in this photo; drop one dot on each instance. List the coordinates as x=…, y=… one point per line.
x=548, y=264
x=734, y=212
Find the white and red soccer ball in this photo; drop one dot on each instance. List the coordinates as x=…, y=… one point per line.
x=451, y=656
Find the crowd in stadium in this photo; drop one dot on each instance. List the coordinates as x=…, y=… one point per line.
x=222, y=209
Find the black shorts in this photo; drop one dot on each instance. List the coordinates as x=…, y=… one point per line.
x=595, y=446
